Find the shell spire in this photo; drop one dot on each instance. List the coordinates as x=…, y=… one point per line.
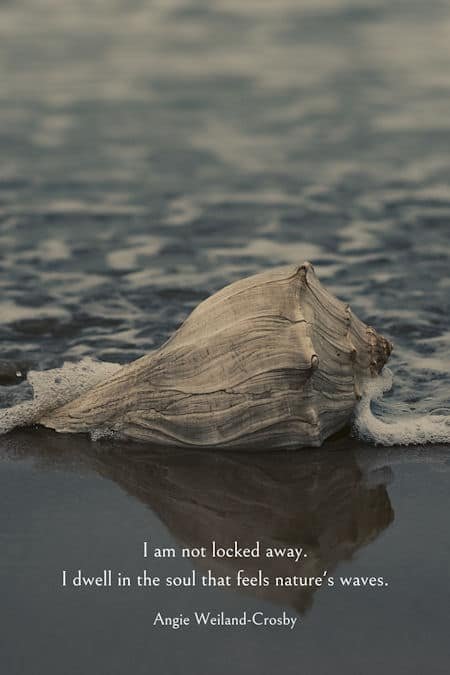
x=273, y=360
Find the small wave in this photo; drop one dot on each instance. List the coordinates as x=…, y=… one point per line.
x=54, y=388
x=392, y=428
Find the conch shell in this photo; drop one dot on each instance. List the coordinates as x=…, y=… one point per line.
x=270, y=361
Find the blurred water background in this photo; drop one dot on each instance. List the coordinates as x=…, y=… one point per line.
x=155, y=151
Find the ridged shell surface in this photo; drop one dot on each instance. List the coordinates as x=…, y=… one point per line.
x=273, y=360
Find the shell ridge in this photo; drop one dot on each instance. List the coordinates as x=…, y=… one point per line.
x=262, y=425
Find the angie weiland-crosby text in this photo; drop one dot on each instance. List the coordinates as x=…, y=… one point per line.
x=222, y=620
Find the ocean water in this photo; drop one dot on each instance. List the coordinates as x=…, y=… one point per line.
x=151, y=152
x=154, y=152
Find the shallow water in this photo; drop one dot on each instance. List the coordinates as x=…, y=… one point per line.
x=151, y=153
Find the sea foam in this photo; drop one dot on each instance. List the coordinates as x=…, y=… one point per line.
x=393, y=428
x=53, y=388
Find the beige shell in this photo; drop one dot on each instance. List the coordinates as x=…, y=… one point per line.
x=271, y=361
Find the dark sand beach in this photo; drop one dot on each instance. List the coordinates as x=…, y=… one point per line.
x=70, y=504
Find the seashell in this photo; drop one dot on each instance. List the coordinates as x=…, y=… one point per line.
x=273, y=360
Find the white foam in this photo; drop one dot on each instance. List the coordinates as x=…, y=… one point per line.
x=53, y=388
x=393, y=428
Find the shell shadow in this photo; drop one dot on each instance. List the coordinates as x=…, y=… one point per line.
x=320, y=499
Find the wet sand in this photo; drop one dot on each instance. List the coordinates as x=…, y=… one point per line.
x=70, y=503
